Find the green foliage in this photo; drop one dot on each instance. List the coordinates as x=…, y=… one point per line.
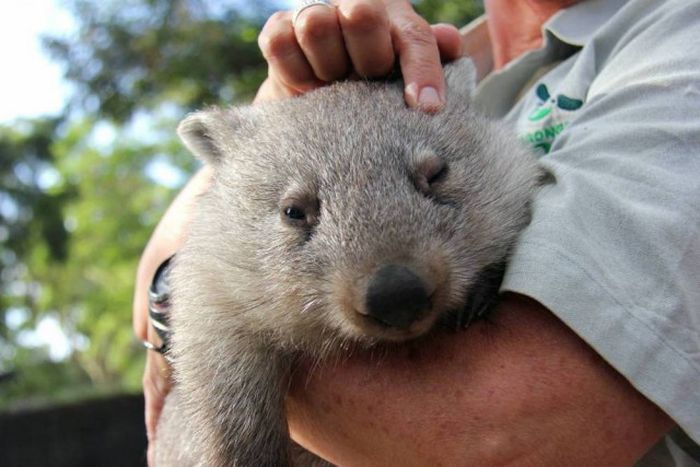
x=81, y=193
x=41, y=381
x=31, y=221
x=133, y=55
x=29, y=210
x=458, y=13
x=106, y=221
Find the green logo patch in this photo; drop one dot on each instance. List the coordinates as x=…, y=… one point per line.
x=548, y=118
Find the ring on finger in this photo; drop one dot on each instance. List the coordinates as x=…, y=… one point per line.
x=150, y=346
x=308, y=4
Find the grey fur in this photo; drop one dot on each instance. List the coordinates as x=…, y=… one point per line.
x=251, y=292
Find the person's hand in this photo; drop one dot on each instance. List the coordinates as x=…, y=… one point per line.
x=165, y=241
x=522, y=389
x=357, y=37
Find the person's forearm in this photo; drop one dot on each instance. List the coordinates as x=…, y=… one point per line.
x=522, y=390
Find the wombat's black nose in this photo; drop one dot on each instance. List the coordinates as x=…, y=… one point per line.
x=396, y=296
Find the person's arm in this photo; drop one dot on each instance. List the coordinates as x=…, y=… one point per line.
x=520, y=390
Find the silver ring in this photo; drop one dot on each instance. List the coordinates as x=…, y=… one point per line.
x=161, y=350
x=303, y=5
x=149, y=346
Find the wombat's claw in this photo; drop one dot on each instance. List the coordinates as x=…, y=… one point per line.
x=467, y=318
x=159, y=307
x=470, y=319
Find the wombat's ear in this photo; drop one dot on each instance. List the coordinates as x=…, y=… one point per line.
x=460, y=77
x=203, y=133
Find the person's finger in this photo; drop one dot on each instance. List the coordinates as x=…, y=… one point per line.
x=448, y=40
x=367, y=33
x=320, y=38
x=156, y=385
x=284, y=55
x=419, y=57
x=139, y=315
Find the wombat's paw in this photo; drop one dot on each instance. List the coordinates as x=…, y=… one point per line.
x=482, y=298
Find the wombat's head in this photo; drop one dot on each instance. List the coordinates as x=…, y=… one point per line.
x=343, y=213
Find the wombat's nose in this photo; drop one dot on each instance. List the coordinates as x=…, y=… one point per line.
x=396, y=296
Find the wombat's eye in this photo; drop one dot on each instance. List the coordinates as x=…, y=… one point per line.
x=295, y=213
x=299, y=212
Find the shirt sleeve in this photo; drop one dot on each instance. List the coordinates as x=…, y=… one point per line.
x=613, y=248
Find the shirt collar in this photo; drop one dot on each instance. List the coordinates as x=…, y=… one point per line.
x=575, y=25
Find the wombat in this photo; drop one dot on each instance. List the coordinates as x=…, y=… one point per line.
x=339, y=218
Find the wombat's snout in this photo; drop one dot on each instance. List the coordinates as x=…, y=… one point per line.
x=396, y=297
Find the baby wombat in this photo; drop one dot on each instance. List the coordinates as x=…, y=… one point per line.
x=338, y=218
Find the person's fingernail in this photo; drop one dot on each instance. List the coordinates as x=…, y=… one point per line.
x=429, y=99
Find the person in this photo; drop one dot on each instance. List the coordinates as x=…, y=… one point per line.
x=593, y=353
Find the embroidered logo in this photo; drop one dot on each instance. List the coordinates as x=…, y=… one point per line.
x=549, y=118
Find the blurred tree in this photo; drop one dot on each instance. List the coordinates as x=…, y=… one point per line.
x=80, y=193
x=30, y=217
x=454, y=12
x=133, y=55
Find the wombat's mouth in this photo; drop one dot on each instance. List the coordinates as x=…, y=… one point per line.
x=376, y=328
x=377, y=321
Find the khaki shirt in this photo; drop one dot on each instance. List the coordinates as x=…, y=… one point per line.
x=611, y=104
